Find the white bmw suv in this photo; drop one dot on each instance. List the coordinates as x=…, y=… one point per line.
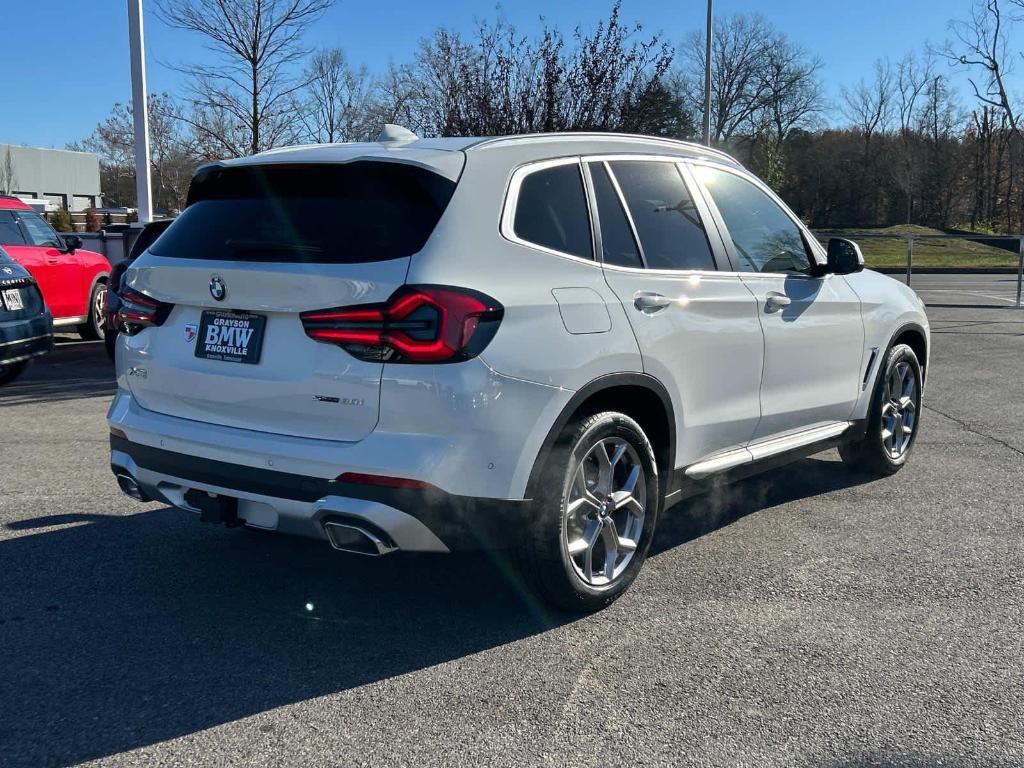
x=530, y=343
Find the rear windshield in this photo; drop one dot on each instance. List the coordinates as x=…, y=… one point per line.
x=336, y=214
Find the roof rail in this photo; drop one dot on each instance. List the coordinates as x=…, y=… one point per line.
x=690, y=145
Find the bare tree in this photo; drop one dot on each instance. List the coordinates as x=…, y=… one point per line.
x=790, y=97
x=737, y=68
x=7, y=178
x=869, y=104
x=982, y=45
x=336, y=104
x=173, y=154
x=500, y=82
x=250, y=88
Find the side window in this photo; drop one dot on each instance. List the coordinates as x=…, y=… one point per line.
x=551, y=211
x=617, y=242
x=39, y=232
x=765, y=237
x=666, y=219
x=10, y=232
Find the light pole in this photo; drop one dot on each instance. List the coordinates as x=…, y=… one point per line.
x=140, y=111
x=707, y=79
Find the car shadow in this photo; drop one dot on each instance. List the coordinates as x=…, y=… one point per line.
x=122, y=630
x=73, y=370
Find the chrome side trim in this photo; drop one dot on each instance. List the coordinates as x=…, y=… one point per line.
x=22, y=358
x=23, y=341
x=765, y=449
x=867, y=370
x=77, y=320
x=719, y=463
x=777, y=445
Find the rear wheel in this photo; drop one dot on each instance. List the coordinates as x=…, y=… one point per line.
x=92, y=328
x=10, y=372
x=596, y=513
x=894, y=417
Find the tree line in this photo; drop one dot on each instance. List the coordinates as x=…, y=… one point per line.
x=901, y=145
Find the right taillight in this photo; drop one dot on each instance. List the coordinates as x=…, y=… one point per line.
x=140, y=311
x=418, y=324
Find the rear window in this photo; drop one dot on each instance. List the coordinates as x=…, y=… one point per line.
x=336, y=214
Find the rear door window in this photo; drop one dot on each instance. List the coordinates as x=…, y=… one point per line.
x=618, y=245
x=551, y=211
x=347, y=213
x=671, y=233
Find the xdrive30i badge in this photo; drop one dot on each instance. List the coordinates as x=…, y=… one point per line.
x=217, y=288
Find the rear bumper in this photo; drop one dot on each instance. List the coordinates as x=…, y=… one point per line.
x=419, y=520
x=24, y=339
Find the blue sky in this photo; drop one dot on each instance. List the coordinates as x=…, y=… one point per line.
x=65, y=62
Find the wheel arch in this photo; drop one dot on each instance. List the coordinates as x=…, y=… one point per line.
x=638, y=395
x=914, y=336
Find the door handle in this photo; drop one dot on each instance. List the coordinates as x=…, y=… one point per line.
x=53, y=261
x=777, y=301
x=650, y=303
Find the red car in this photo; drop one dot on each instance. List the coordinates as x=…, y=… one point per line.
x=73, y=281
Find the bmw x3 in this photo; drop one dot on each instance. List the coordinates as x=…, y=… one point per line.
x=530, y=343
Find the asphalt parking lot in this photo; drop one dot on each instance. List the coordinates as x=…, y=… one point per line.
x=806, y=618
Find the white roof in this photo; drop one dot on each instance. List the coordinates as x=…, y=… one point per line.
x=445, y=155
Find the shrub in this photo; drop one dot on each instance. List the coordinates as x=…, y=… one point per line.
x=61, y=220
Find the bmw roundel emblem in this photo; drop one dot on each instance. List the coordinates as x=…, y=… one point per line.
x=217, y=288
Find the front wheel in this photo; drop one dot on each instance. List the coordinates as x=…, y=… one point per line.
x=92, y=328
x=894, y=417
x=596, y=514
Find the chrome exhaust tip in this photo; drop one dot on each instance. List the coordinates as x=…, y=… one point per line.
x=130, y=487
x=350, y=537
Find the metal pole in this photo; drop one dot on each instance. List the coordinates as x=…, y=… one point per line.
x=707, y=78
x=140, y=111
x=910, y=257
x=1020, y=268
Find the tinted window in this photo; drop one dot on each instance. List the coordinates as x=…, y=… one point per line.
x=10, y=232
x=39, y=232
x=670, y=230
x=617, y=241
x=552, y=211
x=339, y=214
x=766, y=239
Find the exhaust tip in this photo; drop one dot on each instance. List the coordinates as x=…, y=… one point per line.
x=350, y=537
x=130, y=487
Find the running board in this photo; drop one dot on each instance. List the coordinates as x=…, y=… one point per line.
x=765, y=449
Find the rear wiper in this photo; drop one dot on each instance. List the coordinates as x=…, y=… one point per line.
x=242, y=244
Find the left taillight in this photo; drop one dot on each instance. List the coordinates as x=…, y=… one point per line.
x=138, y=311
x=418, y=324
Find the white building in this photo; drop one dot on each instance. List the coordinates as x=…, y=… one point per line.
x=66, y=179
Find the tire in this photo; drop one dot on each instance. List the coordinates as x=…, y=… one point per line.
x=92, y=329
x=893, y=421
x=555, y=555
x=9, y=373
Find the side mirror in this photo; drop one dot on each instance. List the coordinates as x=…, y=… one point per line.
x=844, y=256
x=72, y=243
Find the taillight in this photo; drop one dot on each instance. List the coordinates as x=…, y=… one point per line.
x=138, y=311
x=418, y=324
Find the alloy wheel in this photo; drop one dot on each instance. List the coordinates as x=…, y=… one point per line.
x=604, y=511
x=899, y=409
x=99, y=309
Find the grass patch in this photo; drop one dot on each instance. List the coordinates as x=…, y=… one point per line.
x=891, y=251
